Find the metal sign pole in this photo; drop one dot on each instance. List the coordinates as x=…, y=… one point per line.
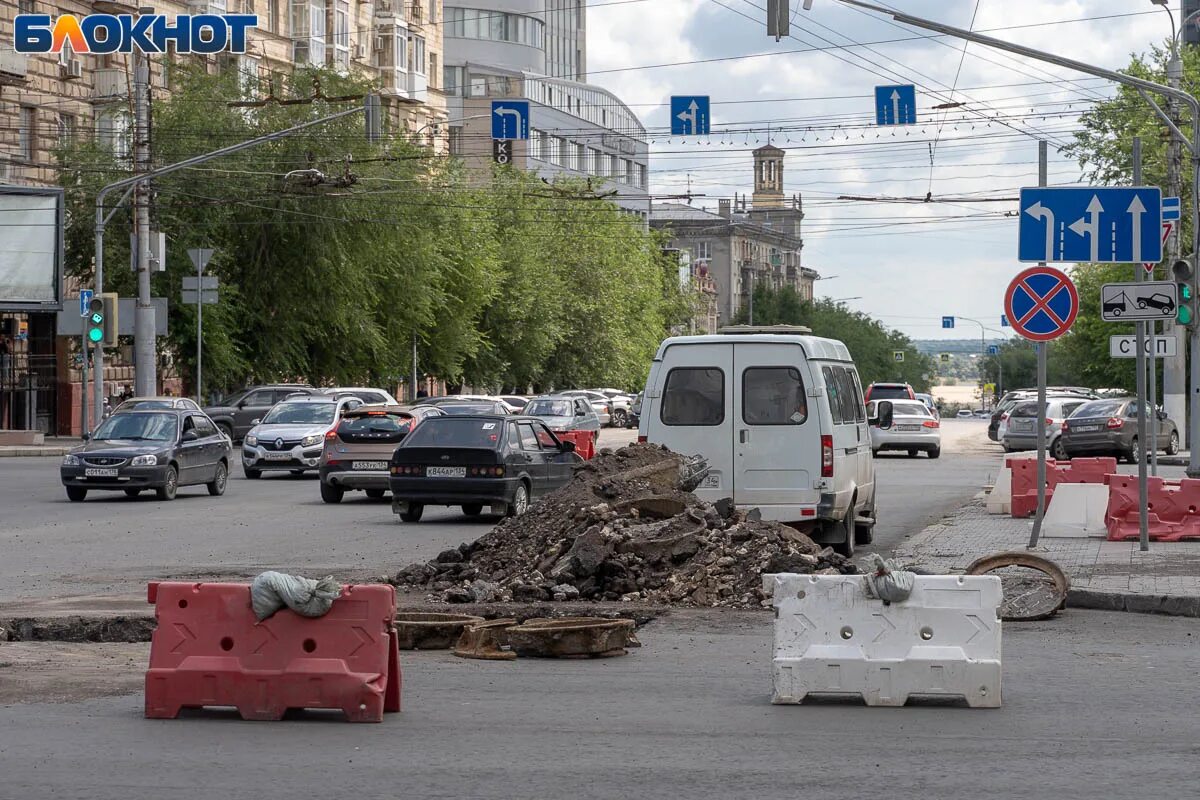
x=1041, y=398
x=1140, y=365
x=199, y=328
x=84, y=427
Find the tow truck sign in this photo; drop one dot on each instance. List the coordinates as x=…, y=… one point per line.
x=1128, y=302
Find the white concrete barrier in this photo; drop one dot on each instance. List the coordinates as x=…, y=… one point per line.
x=831, y=638
x=1076, y=511
x=999, y=499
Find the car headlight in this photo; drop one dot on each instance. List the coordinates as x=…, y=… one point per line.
x=70, y=460
x=309, y=441
x=251, y=439
x=144, y=461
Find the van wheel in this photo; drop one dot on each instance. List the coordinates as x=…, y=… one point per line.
x=864, y=532
x=934, y=452
x=1173, y=443
x=846, y=527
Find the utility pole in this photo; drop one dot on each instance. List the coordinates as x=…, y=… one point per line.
x=1175, y=369
x=145, y=348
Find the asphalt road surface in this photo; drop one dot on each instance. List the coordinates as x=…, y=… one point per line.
x=111, y=544
x=1095, y=705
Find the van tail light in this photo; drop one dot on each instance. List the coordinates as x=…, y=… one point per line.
x=826, y=456
x=930, y=423
x=1049, y=421
x=1115, y=423
x=641, y=440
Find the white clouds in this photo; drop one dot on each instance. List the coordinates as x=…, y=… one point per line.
x=914, y=272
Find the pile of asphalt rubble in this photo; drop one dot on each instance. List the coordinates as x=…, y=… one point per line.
x=627, y=527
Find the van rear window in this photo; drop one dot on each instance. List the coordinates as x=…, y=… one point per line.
x=773, y=396
x=694, y=396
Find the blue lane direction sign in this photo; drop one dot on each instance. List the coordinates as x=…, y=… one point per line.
x=85, y=300
x=1170, y=209
x=510, y=119
x=689, y=115
x=895, y=105
x=1091, y=224
x=1004, y=321
x=947, y=322
x=993, y=349
x=1041, y=303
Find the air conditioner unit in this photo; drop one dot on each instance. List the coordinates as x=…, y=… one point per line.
x=379, y=44
x=360, y=52
x=71, y=69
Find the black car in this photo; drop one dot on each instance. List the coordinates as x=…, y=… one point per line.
x=235, y=415
x=499, y=461
x=159, y=449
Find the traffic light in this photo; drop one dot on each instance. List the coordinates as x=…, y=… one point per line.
x=102, y=320
x=1185, y=283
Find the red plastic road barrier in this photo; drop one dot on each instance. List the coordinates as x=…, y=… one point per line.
x=1077, y=470
x=584, y=442
x=1174, y=509
x=209, y=650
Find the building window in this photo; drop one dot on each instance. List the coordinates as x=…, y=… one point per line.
x=581, y=158
x=452, y=80
x=455, y=140
x=630, y=173
x=433, y=9
x=643, y=176
x=597, y=164
x=418, y=54
x=565, y=151
x=433, y=70
x=26, y=7
x=112, y=133
x=341, y=34
x=614, y=167
x=500, y=26
x=26, y=133
x=308, y=32
x=66, y=129
x=703, y=251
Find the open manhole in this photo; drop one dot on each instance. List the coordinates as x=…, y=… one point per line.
x=1034, y=587
x=430, y=631
x=573, y=637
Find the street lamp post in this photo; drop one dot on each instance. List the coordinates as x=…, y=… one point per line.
x=1143, y=86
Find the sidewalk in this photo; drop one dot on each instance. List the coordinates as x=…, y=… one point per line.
x=1107, y=575
x=53, y=446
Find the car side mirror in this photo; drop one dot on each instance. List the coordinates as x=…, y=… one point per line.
x=883, y=415
x=256, y=421
x=1162, y=415
x=87, y=437
x=566, y=447
x=190, y=435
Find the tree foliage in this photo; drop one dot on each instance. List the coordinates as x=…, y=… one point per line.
x=872, y=345
x=333, y=253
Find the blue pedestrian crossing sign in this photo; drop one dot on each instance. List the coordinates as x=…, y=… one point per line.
x=510, y=119
x=1094, y=224
x=1041, y=303
x=1170, y=209
x=993, y=349
x=1004, y=320
x=896, y=105
x=689, y=115
x=947, y=322
x=85, y=301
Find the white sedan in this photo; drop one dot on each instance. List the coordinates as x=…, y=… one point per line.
x=913, y=429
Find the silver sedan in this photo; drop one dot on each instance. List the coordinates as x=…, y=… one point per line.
x=913, y=429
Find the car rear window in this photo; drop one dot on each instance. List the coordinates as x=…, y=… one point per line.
x=1099, y=408
x=378, y=426
x=469, y=409
x=694, y=396
x=879, y=392
x=549, y=408
x=910, y=409
x=456, y=432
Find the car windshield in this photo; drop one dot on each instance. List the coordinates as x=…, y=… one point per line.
x=467, y=409
x=1099, y=408
x=450, y=432
x=549, y=408
x=890, y=393
x=300, y=414
x=376, y=422
x=138, y=428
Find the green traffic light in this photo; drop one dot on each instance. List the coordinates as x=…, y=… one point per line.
x=95, y=334
x=1185, y=292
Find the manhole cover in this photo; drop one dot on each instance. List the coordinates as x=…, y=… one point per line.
x=430, y=631
x=1034, y=587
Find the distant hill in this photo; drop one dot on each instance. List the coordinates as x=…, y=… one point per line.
x=932, y=347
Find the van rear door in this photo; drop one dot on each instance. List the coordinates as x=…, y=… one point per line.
x=692, y=408
x=777, y=432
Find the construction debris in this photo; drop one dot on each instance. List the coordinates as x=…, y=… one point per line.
x=626, y=528
x=430, y=631
x=486, y=640
x=573, y=637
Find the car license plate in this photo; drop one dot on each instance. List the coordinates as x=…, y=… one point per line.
x=277, y=456
x=1085, y=428
x=711, y=482
x=371, y=465
x=908, y=427
x=446, y=472
x=95, y=472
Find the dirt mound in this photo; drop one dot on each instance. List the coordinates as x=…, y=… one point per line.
x=625, y=528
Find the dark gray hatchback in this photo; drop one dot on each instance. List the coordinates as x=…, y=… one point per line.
x=1109, y=427
x=161, y=449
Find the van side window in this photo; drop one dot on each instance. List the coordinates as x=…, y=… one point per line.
x=846, y=395
x=773, y=396
x=694, y=396
x=833, y=391
x=859, y=410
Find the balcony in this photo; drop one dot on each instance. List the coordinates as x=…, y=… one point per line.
x=13, y=67
x=390, y=11
x=416, y=14
x=409, y=87
x=115, y=7
x=109, y=85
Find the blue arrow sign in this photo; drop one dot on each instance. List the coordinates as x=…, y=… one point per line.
x=689, y=115
x=1091, y=224
x=510, y=119
x=85, y=300
x=1170, y=209
x=895, y=105
x=993, y=349
x=1004, y=320
x=947, y=322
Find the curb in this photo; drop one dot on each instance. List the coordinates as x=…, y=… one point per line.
x=1173, y=461
x=1166, y=604
x=17, y=451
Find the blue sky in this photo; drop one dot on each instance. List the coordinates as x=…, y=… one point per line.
x=910, y=262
